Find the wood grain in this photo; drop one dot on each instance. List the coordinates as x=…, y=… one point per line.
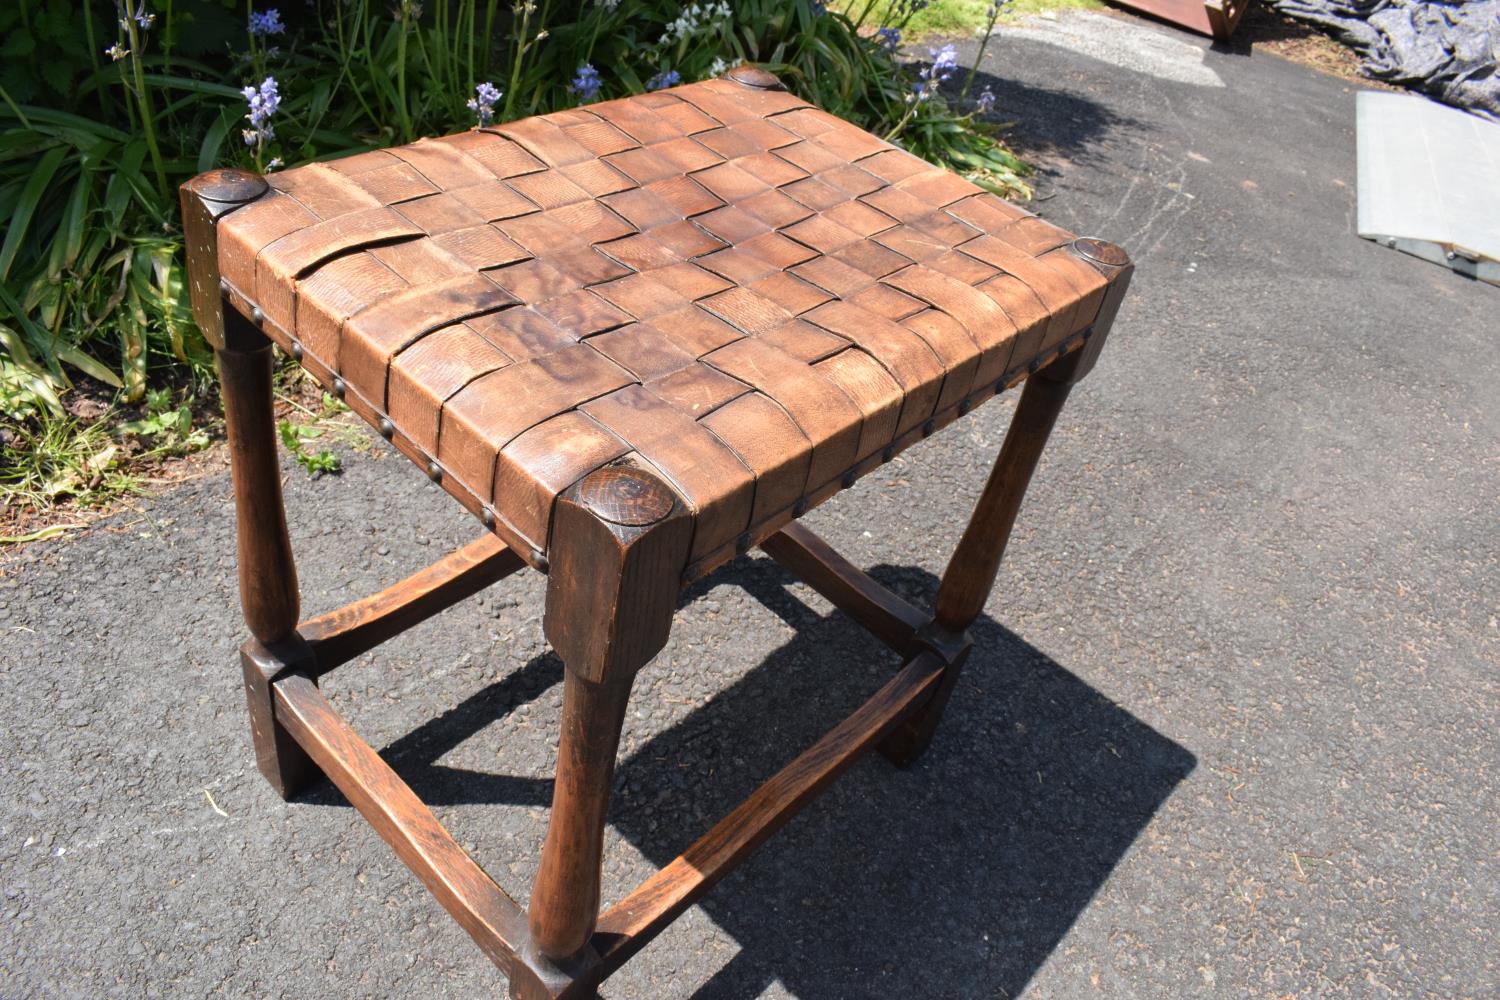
x=268, y=574
x=635, y=920
x=611, y=592
x=339, y=636
x=887, y=616
x=481, y=907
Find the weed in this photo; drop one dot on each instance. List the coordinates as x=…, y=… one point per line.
x=317, y=463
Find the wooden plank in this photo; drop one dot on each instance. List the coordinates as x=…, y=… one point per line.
x=481, y=907
x=1215, y=18
x=339, y=636
x=635, y=920
x=813, y=561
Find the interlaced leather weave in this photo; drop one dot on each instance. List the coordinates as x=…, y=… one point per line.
x=718, y=281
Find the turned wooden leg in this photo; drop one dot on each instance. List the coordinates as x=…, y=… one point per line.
x=268, y=575
x=620, y=542
x=971, y=572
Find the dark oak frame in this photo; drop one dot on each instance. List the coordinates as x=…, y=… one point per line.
x=611, y=594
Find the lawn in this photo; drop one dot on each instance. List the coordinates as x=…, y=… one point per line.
x=958, y=17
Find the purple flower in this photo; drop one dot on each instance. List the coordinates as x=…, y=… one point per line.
x=117, y=52
x=670, y=78
x=587, y=83
x=139, y=15
x=819, y=8
x=944, y=64
x=263, y=103
x=890, y=38
x=986, y=102
x=486, y=95
x=267, y=23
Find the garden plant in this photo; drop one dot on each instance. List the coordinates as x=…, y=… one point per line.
x=107, y=108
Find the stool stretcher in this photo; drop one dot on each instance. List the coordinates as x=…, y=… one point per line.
x=495, y=921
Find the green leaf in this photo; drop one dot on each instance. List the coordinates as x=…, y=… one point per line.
x=192, y=86
x=17, y=45
x=213, y=142
x=39, y=383
x=40, y=340
x=31, y=197
x=42, y=117
x=88, y=365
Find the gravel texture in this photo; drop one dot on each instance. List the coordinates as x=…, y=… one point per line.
x=1229, y=729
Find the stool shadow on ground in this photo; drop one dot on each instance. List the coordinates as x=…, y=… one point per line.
x=1051, y=122
x=955, y=878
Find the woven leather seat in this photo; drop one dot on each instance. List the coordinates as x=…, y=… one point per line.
x=719, y=281
x=634, y=338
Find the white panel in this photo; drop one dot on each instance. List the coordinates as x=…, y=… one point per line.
x=1429, y=181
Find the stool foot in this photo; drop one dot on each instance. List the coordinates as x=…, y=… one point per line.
x=970, y=575
x=910, y=740
x=283, y=762
x=531, y=990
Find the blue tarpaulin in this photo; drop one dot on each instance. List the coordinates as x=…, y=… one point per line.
x=1446, y=50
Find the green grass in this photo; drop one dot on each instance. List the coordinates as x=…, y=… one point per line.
x=43, y=464
x=69, y=465
x=963, y=17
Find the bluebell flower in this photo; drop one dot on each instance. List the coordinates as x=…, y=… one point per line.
x=819, y=8
x=693, y=19
x=140, y=16
x=944, y=64
x=117, y=52
x=890, y=38
x=660, y=81
x=263, y=102
x=486, y=96
x=266, y=23
x=986, y=102
x=587, y=83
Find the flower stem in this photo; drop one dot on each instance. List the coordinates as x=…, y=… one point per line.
x=469, y=8
x=524, y=8
x=401, y=74
x=489, y=34
x=911, y=109
x=979, y=57
x=143, y=99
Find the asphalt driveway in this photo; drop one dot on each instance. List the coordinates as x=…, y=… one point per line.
x=1230, y=729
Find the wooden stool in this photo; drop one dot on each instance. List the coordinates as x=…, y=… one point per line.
x=634, y=339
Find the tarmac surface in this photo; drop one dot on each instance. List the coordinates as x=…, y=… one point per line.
x=1229, y=730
